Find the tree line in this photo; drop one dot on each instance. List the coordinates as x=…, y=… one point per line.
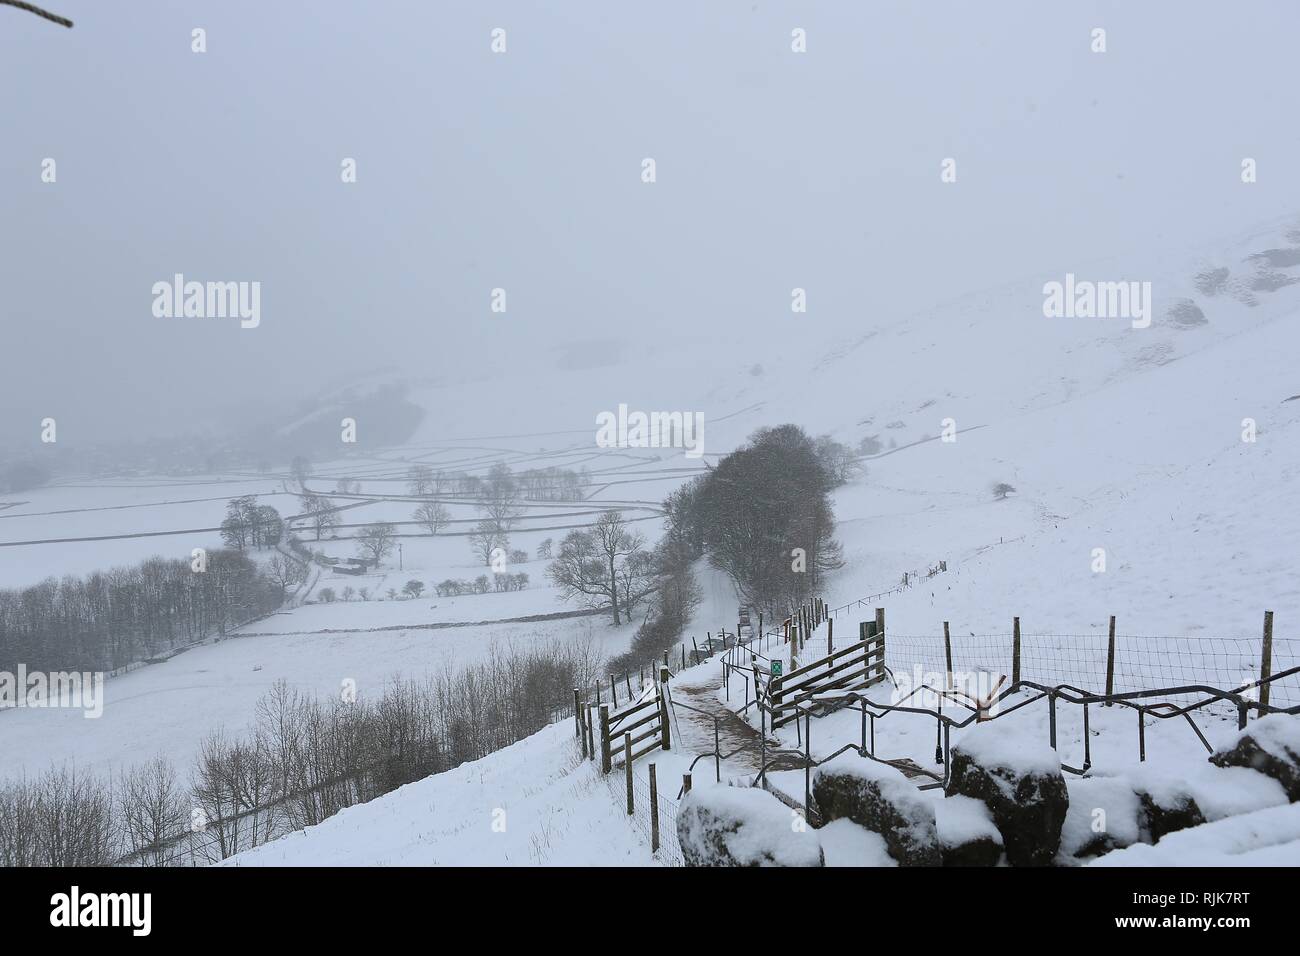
x=113, y=618
x=304, y=760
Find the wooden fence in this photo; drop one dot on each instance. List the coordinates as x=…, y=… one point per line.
x=856, y=667
x=625, y=735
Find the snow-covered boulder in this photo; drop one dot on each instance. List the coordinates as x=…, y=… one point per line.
x=743, y=826
x=1271, y=746
x=877, y=796
x=1167, y=808
x=1019, y=779
x=1176, y=797
x=967, y=834
x=1105, y=814
x=1268, y=837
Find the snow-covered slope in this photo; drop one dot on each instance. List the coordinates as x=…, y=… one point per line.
x=534, y=803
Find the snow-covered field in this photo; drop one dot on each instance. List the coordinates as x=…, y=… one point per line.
x=168, y=708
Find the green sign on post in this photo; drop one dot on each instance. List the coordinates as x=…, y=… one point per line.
x=776, y=668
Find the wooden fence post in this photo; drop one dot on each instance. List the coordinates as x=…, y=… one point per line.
x=665, y=731
x=686, y=784
x=606, y=757
x=577, y=714
x=947, y=652
x=654, y=812
x=582, y=731
x=683, y=655
x=1015, y=652
x=627, y=770
x=830, y=638
x=1266, y=662
x=880, y=633
x=1110, y=661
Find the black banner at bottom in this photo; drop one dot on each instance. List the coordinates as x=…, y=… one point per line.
x=327, y=904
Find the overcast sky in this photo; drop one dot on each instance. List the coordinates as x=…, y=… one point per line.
x=523, y=171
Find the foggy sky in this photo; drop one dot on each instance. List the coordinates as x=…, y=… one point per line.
x=522, y=171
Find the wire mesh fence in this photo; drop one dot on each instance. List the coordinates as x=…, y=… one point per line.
x=1142, y=662
x=670, y=851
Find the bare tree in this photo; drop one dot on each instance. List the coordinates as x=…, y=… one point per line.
x=433, y=516
x=500, y=494
x=74, y=820
x=605, y=564
x=420, y=481
x=300, y=471
x=486, y=539
x=154, y=813
x=320, y=512
x=376, y=541
x=285, y=573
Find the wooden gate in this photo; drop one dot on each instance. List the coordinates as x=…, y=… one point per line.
x=855, y=667
x=638, y=729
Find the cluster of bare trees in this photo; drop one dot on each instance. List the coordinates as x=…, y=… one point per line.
x=64, y=818
x=482, y=584
x=249, y=525
x=676, y=594
x=304, y=760
x=533, y=484
x=113, y=618
x=553, y=484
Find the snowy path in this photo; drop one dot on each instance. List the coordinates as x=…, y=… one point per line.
x=695, y=725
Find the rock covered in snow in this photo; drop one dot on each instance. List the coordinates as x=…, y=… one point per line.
x=877, y=796
x=1271, y=746
x=1268, y=837
x=1105, y=814
x=1175, y=798
x=1020, y=781
x=743, y=826
x=967, y=834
